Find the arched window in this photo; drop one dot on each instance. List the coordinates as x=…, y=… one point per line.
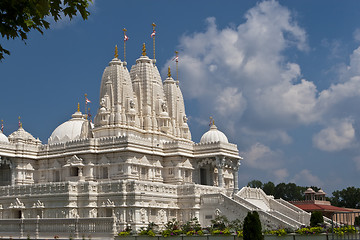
x=5, y=173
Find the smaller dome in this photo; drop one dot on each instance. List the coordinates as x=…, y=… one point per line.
x=309, y=191
x=23, y=136
x=69, y=130
x=214, y=135
x=321, y=192
x=3, y=137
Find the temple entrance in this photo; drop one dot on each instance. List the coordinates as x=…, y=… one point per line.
x=17, y=214
x=203, y=177
x=5, y=174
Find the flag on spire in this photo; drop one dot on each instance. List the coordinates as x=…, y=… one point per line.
x=176, y=59
x=125, y=37
x=20, y=124
x=153, y=33
x=87, y=100
x=2, y=125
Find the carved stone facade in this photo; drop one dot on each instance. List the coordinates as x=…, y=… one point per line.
x=136, y=163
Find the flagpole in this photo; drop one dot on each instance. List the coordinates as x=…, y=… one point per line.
x=177, y=62
x=2, y=126
x=124, y=44
x=89, y=114
x=86, y=104
x=154, y=25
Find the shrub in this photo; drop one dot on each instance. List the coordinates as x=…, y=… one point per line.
x=149, y=231
x=168, y=233
x=279, y=232
x=225, y=231
x=316, y=219
x=309, y=231
x=124, y=233
x=344, y=230
x=192, y=225
x=195, y=233
x=220, y=223
x=357, y=221
x=252, y=227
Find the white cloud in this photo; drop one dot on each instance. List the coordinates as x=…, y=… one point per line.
x=306, y=178
x=281, y=174
x=242, y=70
x=357, y=162
x=262, y=157
x=242, y=76
x=230, y=101
x=339, y=136
x=356, y=35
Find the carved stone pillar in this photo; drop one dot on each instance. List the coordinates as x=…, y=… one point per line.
x=236, y=164
x=219, y=165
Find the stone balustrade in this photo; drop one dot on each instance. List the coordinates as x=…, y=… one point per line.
x=47, y=188
x=62, y=227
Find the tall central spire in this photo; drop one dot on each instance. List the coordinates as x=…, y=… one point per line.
x=139, y=103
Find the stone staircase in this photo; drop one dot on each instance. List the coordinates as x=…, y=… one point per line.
x=273, y=214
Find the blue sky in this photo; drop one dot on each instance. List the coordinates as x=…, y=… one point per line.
x=280, y=78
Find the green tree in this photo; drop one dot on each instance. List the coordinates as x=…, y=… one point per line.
x=255, y=184
x=349, y=198
x=269, y=188
x=289, y=192
x=252, y=227
x=316, y=219
x=220, y=222
x=19, y=17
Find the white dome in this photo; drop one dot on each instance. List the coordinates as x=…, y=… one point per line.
x=22, y=136
x=213, y=135
x=69, y=130
x=3, y=137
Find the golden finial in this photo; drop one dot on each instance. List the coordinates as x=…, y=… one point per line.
x=20, y=123
x=212, y=121
x=78, y=108
x=144, y=50
x=116, y=52
x=169, y=72
x=154, y=25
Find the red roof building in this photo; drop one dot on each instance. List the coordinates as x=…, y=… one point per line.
x=316, y=201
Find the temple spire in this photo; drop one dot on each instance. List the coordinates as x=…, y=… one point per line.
x=2, y=125
x=78, y=107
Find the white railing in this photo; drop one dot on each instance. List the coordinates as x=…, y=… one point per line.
x=299, y=215
x=62, y=227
